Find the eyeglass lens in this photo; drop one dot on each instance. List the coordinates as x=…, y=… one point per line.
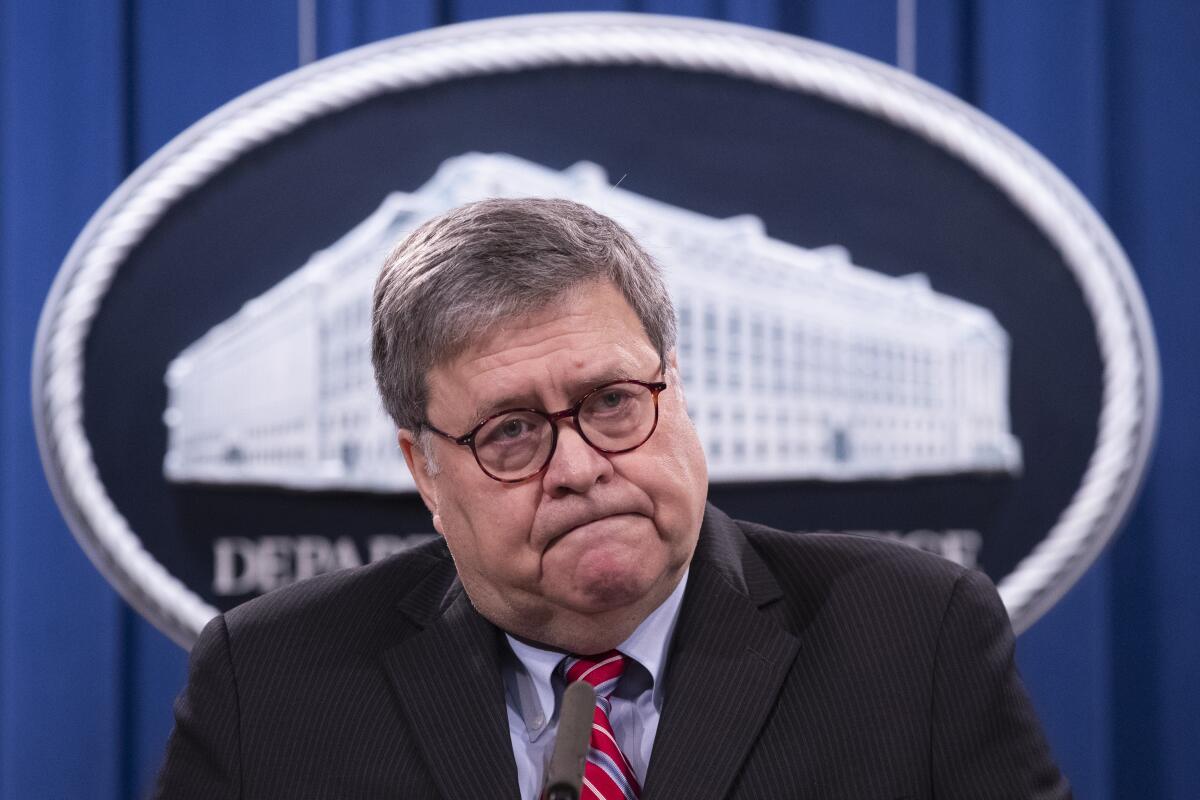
x=617, y=417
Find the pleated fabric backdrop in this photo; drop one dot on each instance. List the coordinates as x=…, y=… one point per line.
x=1107, y=90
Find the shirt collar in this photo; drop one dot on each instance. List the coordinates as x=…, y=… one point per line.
x=650, y=641
x=532, y=688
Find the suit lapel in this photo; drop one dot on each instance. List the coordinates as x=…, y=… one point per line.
x=727, y=664
x=448, y=681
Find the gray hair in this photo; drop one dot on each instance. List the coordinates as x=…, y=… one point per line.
x=459, y=274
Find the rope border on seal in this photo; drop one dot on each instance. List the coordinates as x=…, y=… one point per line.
x=1130, y=394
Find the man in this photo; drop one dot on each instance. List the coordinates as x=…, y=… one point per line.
x=525, y=351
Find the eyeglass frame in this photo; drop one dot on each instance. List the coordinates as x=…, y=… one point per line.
x=468, y=439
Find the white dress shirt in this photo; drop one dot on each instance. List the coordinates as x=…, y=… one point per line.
x=533, y=693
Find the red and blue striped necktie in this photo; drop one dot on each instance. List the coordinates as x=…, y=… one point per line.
x=608, y=775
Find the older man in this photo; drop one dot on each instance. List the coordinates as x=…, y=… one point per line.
x=525, y=351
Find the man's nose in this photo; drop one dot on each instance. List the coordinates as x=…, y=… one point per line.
x=575, y=466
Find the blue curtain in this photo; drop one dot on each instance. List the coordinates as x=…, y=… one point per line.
x=1107, y=90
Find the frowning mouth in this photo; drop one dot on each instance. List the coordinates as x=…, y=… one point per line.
x=595, y=525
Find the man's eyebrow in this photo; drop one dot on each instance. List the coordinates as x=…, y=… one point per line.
x=528, y=399
x=490, y=407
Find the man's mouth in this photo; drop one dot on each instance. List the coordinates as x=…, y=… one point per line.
x=590, y=522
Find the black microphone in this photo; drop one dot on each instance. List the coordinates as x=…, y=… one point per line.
x=564, y=778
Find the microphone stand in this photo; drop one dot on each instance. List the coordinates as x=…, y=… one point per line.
x=564, y=777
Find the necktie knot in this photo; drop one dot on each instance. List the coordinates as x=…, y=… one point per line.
x=601, y=671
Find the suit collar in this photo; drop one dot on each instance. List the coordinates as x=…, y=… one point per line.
x=724, y=549
x=447, y=679
x=727, y=664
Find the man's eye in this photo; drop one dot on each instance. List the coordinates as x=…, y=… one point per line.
x=512, y=428
x=612, y=399
x=508, y=431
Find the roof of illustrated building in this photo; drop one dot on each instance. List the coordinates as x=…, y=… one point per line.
x=764, y=265
x=718, y=263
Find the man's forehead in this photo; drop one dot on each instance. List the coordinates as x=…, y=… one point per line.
x=550, y=356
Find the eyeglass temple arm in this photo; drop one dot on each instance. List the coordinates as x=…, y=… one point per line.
x=464, y=440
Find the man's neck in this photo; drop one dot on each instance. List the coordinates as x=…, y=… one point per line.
x=572, y=632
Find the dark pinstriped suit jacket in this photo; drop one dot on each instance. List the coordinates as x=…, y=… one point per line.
x=806, y=666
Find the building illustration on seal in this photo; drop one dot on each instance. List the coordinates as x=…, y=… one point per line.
x=797, y=364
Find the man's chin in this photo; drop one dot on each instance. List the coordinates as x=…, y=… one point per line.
x=601, y=590
x=609, y=596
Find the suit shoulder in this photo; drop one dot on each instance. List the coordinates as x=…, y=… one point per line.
x=342, y=602
x=835, y=569
x=850, y=551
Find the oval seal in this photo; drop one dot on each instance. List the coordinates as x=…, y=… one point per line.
x=895, y=317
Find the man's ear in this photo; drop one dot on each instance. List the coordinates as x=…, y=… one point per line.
x=414, y=456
